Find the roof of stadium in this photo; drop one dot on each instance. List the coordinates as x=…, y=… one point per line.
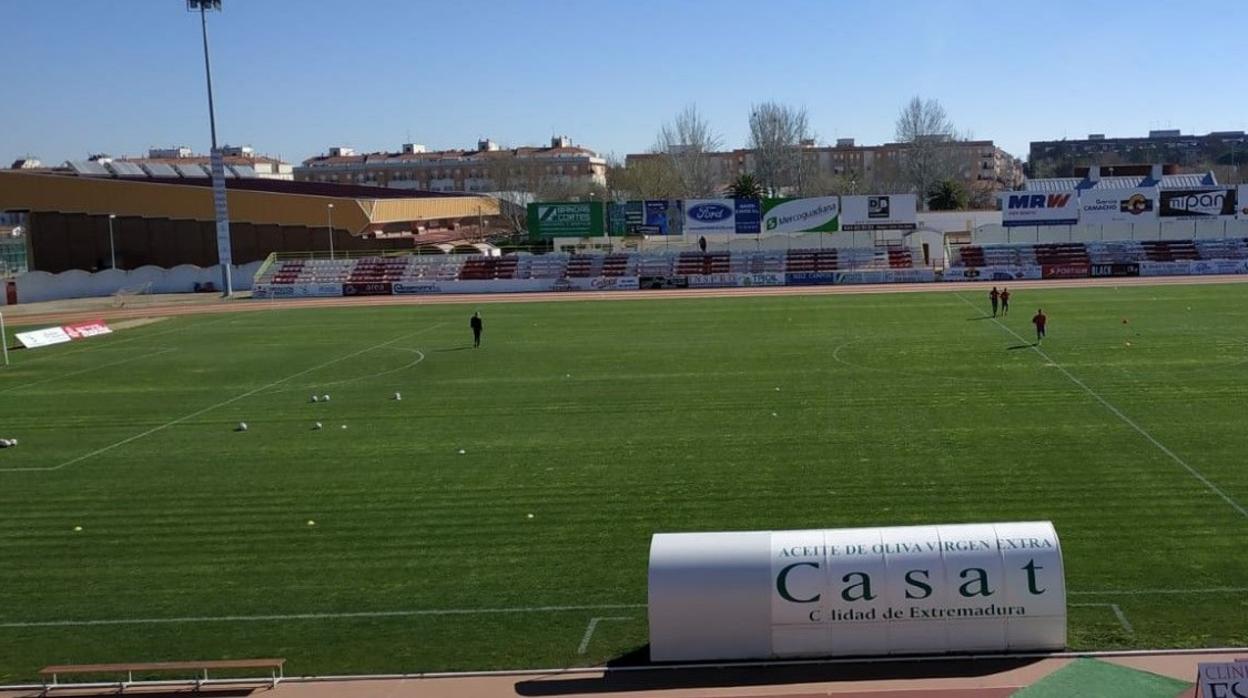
x=357, y=209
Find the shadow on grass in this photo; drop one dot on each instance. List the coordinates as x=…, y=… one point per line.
x=1019, y=346
x=981, y=317
x=725, y=675
x=466, y=346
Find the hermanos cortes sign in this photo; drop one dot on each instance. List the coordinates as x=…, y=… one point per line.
x=864, y=591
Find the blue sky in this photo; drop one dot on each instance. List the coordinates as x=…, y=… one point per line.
x=293, y=78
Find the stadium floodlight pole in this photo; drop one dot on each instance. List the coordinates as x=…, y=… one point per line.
x=112, y=249
x=329, y=213
x=4, y=340
x=218, y=164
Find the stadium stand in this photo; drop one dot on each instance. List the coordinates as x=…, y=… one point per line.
x=1108, y=252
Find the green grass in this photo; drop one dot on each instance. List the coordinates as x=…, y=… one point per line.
x=1089, y=677
x=607, y=421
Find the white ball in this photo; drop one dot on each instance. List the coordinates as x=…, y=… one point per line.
x=530, y=516
x=774, y=414
x=77, y=528
x=325, y=397
x=462, y=451
x=344, y=426
x=398, y=396
x=12, y=442
x=315, y=399
x=242, y=426
x=317, y=425
x=311, y=522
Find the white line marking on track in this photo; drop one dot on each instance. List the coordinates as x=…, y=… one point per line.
x=1122, y=617
x=210, y=408
x=318, y=616
x=589, y=631
x=482, y=611
x=87, y=370
x=1125, y=419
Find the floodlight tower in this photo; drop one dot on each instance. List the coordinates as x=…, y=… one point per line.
x=224, y=256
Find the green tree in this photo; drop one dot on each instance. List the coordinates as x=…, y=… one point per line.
x=947, y=195
x=745, y=187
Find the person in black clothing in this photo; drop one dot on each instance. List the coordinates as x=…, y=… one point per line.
x=475, y=324
x=702, y=243
x=1005, y=301
x=993, y=296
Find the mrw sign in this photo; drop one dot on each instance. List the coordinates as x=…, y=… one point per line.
x=858, y=591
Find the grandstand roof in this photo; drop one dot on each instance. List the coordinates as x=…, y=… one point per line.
x=260, y=201
x=1172, y=181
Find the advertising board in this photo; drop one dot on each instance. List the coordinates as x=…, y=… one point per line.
x=566, y=219
x=658, y=216
x=1112, y=270
x=1036, y=208
x=1097, y=207
x=89, y=328
x=1222, y=679
x=857, y=591
x=45, y=337
x=710, y=216
x=370, y=288
x=993, y=273
x=809, y=278
x=879, y=212
x=600, y=283
x=1218, y=266
x=722, y=216
x=820, y=214
x=1197, y=203
x=1068, y=270
x=658, y=282
x=1177, y=268
x=747, y=216
x=909, y=276
x=412, y=288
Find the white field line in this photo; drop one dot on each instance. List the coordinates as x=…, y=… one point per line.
x=97, y=367
x=318, y=616
x=589, y=631
x=481, y=611
x=1155, y=592
x=1122, y=617
x=210, y=408
x=1125, y=419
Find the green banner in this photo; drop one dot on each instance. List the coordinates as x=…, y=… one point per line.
x=566, y=219
x=819, y=214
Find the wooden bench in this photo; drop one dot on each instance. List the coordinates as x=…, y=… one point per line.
x=201, y=668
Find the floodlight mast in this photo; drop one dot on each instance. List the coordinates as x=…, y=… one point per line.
x=218, y=162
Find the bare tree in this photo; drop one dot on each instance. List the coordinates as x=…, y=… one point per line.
x=929, y=135
x=777, y=133
x=648, y=176
x=689, y=144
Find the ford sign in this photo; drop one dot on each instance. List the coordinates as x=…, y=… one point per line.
x=710, y=212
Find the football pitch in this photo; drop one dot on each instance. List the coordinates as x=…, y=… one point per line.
x=499, y=515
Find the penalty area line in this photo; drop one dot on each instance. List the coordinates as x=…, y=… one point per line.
x=1119, y=414
x=218, y=405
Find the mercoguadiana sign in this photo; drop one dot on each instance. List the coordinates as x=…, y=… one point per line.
x=856, y=591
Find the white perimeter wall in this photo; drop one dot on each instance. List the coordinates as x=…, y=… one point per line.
x=36, y=286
